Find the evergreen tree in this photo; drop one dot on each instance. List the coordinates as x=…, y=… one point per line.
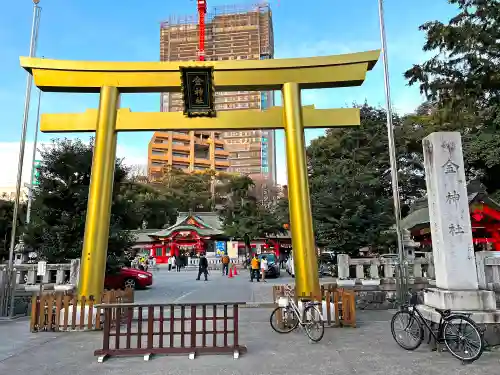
x=59, y=207
x=6, y=211
x=462, y=82
x=242, y=213
x=350, y=184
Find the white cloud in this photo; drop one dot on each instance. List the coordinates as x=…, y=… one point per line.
x=9, y=155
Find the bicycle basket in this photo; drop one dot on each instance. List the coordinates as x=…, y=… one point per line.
x=283, y=302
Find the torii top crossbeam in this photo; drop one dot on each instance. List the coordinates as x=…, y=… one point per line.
x=259, y=75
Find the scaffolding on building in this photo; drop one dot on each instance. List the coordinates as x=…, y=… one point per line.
x=232, y=32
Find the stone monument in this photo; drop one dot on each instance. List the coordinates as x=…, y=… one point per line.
x=456, y=277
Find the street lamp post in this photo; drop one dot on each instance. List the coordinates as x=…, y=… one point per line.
x=27, y=96
x=402, y=285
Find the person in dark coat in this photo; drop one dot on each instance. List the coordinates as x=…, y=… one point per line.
x=203, y=268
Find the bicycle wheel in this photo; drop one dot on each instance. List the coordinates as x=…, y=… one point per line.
x=283, y=320
x=407, y=330
x=313, y=323
x=463, y=338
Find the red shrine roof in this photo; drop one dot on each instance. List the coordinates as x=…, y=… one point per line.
x=205, y=224
x=418, y=218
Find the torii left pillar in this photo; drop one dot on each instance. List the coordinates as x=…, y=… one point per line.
x=100, y=195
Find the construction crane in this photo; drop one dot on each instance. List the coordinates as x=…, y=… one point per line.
x=202, y=11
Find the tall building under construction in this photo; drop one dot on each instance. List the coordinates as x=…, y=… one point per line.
x=231, y=33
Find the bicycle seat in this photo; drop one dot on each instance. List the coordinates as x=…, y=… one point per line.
x=443, y=312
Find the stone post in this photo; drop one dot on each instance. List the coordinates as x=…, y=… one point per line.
x=60, y=276
x=74, y=272
x=360, y=271
x=374, y=269
x=31, y=276
x=453, y=250
x=343, y=266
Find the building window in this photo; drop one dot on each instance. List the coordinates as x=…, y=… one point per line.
x=158, y=152
x=179, y=154
x=157, y=164
x=159, y=140
x=159, y=252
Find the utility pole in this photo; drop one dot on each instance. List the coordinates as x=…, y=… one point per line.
x=27, y=96
x=33, y=159
x=402, y=266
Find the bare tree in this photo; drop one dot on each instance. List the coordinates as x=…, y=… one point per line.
x=138, y=173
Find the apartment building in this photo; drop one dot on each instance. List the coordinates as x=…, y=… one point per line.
x=232, y=33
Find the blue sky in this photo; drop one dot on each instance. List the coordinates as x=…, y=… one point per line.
x=128, y=30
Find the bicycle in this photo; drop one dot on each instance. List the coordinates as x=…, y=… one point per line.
x=288, y=316
x=454, y=336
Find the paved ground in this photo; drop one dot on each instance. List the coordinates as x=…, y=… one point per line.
x=182, y=287
x=368, y=349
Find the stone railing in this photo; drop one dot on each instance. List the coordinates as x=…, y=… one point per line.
x=488, y=270
x=379, y=268
x=56, y=274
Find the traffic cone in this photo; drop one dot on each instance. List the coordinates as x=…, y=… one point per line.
x=235, y=270
x=230, y=273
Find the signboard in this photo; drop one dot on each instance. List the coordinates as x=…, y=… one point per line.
x=220, y=248
x=264, y=156
x=36, y=172
x=264, y=104
x=232, y=249
x=42, y=268
x=198, y=91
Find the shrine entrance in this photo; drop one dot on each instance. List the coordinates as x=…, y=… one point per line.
x=192, y=235
x=198, y=82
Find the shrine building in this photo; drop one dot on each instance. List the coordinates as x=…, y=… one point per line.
x=484, y=215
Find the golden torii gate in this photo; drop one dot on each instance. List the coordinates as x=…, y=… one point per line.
x=112, y=78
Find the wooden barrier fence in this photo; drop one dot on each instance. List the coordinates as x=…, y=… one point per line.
x=64, y=312
x=344, y=304
x=193, y=329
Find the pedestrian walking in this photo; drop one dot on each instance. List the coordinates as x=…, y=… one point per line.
x=254, y=268
x=134, y=263
x=263, y=268
x=170, y=260
x=178, y=263
x=225, y=264
x=203, y=267
x=152, y=264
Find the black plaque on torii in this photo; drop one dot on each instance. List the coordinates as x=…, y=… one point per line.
x=198, y=91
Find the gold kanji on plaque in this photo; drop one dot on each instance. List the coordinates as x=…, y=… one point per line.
x=198, y=92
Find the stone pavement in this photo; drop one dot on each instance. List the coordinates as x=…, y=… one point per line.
x=16, y=338
x=182, y=287
x=368, y=349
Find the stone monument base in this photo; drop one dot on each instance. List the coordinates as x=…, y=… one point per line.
x=488, y=321
x=461, y=300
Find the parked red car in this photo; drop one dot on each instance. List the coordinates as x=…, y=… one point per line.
x=128, y=278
